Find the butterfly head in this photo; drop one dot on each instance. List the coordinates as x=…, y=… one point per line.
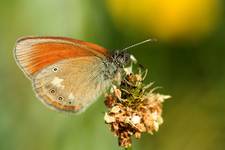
x=121, y=58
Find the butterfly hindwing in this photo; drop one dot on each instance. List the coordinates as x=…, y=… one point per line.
x=71, y=84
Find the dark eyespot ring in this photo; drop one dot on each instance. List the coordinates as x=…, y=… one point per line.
x=60, y=98
x=70, y=102
x=55, y=69
x=52, y=91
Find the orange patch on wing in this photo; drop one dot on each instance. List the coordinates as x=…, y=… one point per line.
x=73, y=108
x=47, y=54
x=92, y=46
x=59, y=106
x=35, y=53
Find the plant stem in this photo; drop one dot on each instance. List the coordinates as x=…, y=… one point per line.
x=129, y=148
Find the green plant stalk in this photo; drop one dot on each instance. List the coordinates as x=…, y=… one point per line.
x=129, y=148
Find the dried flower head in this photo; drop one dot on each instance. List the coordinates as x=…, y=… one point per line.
x=133, y=108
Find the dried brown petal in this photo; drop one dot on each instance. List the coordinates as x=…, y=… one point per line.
x=109, y=101
x=125, y=140
x=137, y=135
x=117, y=93
x=108, y=118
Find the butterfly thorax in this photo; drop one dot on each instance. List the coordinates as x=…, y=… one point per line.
x=115, y=63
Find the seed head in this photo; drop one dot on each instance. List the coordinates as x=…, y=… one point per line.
x=133, y=108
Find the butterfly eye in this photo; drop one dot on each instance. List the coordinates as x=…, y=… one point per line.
x=60, y=98
x=55, y=69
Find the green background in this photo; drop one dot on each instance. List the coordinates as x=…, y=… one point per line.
x=192, y=72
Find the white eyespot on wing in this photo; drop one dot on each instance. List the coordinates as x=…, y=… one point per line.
x=80, y=82
x=55, y=69
x=71, y=96
x=57, y=82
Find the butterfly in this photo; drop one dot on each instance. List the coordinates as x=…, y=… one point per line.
x=68, y=74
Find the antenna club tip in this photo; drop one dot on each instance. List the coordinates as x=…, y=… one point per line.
x=152, y=40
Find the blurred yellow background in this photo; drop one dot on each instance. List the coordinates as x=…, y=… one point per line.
x=187, y=61
x=167, y=19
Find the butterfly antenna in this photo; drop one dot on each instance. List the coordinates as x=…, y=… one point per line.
x=140, y=43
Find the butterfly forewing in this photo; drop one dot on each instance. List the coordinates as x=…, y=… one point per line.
x=35, y=53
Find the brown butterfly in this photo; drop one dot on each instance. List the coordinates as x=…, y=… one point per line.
x=68, y=74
